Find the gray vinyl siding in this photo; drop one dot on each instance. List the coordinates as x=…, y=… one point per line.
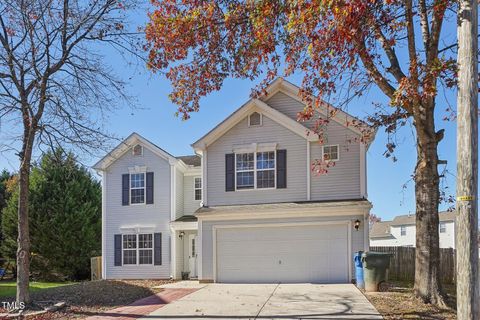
x=207, y=236
x=342, y=180
x=189, y=202
x=269, y=132
x=153, y=218
x=179, y=194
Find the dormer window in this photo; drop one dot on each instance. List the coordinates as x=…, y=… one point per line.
x=137, y=150
x=255, y=119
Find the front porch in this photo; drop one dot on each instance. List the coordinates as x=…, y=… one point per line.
x=184, y=248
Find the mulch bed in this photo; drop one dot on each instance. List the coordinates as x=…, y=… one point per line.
x=87, y=298
x=396, y=300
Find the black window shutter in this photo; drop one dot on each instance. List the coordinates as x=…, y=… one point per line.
x=118, y=250
x=230, y=172
x=281, y=169
x=125, y=189
x=157, y=249
x=149, y=187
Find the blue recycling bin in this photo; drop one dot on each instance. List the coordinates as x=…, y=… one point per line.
x=357, y=258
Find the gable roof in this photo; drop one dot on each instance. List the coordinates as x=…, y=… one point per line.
x=278, y=85
x=410, y=218
x=126, y=145
x=242, y=112
x=341, y=117
x=380, y=229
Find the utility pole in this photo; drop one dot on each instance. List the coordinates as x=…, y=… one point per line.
x=468, y=297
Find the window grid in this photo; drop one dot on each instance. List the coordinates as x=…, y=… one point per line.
x=137, y=188
x=403, y=231
x=198, y=188
x=443, y=227
x=255, y=170
x=141, y=254
x=330, y=153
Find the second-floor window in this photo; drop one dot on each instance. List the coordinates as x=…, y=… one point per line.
x=137, y=188
x=443, y=227
x=255, y=170
x=403, y=230
x=198, y=188
x=330, y=153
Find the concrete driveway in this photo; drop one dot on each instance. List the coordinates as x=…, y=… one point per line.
x=270, y=301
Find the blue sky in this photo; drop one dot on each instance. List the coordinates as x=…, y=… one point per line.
x=155, y=121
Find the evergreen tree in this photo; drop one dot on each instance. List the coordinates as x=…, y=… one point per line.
x=65, y=217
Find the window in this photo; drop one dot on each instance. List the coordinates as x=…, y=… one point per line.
x=443, y=227
x=143, y=253
x=330, y=153
x=193, y=247
x=198, y=188
x=129, y=249
x=245, y=167
x=403, y=230
x=137, y=150
x=254, y=119
x=255, y=170
x=137, y=188
x=266, y=169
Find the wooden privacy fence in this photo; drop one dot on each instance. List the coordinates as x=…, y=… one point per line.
x=402, y=263
x=96, y=268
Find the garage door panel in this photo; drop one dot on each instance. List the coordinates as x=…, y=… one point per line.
x=314, y=253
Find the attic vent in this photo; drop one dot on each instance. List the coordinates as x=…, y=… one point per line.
x=137, y=150
x=255, y=119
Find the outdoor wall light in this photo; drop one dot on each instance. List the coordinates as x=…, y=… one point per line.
x=181, y=234
x=357, y=224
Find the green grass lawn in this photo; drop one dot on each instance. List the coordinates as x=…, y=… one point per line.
x=8, y=288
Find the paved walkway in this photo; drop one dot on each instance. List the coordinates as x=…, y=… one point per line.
x=144, y=306
x=270, y=301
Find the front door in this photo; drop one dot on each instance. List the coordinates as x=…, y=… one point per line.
x=192, y=255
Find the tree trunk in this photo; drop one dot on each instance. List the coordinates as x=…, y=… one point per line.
x=427, y=259
x=23, y=241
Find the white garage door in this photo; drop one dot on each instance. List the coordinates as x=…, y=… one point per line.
x=307, y=253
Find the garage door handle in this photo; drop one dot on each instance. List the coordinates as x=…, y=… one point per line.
x=279, y=261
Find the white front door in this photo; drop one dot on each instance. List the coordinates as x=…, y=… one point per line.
x=192, y=255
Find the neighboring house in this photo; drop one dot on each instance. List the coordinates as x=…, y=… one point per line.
x=401, y=231
x=246, y=207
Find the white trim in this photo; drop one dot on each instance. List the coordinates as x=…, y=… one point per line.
x=104, y=225
x=253, y=147
x=309, y=182
x=196, y=171
x=182, y=225
x=137, y=229
x=363, y=171
x=126, y=145
x=200, y=251
x=283, y=224
x=173, y=242
x=324, y=210
x=255, y=170
x=255, y=125
x=331, y=145
x=204, y=178
x=173, y=211
x=240, y=114
x=137, y=169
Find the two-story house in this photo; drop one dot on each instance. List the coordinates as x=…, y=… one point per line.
x=401, y=231
x=247, y=206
